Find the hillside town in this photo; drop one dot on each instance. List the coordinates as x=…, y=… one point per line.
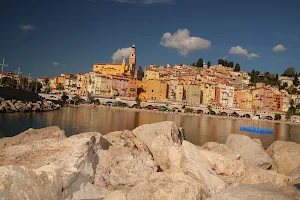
x=220, y=86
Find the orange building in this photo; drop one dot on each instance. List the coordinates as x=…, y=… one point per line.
x=152, y=90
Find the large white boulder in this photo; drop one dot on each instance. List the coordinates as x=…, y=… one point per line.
x=169, y=185
x=249, y=150
x=237, y=170
x=65, y=166
x=164, y=142
x=32, y=135
x=195, y=164
x=221, y=149
x=19, y=182
x=285, y=155
x=125, y=163
x=240, y=191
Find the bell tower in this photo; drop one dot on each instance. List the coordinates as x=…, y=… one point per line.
x=132, y=59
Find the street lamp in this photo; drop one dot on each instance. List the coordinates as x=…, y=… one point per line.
x=3, y=65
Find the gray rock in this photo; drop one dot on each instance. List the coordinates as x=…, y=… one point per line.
x=251, y=192
x=195, y=164
x=249, y=150
x=221, y=149
x=116, y=195
x=19, y=182
x=169, y=185
x=237, y=170
x=285, y=155
x=65, y=166
x=124, y=161
x=258, y=141
x=11, y=106
x=164, y=141
x=32, y=135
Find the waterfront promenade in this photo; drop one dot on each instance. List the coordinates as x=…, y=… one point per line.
x=172, y=105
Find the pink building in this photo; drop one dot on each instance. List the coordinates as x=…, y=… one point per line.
x=120, y=85
x=267, y=99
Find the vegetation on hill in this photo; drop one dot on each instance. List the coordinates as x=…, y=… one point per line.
x=267, y=78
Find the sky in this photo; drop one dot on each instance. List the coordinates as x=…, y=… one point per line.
x=46, y=38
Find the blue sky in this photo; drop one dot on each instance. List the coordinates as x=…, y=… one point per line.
x=68, y=36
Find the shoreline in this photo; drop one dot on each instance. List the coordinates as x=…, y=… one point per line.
x=185, y=114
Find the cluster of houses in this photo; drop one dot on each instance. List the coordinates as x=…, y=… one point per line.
x=216, y=86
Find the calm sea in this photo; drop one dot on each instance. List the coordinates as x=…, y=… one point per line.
x=198, y=129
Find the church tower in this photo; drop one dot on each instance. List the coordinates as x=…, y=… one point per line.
x=132, y=59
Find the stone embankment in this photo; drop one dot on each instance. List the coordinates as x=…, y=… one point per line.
x=152, y=162
x=10, y=106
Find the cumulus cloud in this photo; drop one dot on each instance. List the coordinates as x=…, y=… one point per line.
x=238, y=50
x=183, y=42
x=27, y=27
x=146, y=2
x=120, y=54
x=279, y=48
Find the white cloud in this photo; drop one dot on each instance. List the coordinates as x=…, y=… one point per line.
x=27, y=27
x=238, y=50
x=183, y=42
x=146, y=2
x=56, y=64
x=279, y=48
x=120, y=54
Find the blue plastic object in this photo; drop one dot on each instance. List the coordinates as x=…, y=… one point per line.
x=257, y=130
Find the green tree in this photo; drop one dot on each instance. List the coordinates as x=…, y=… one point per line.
x=138, y=101
x=296, y=80
x=199, y=63
x=208, y=64
x=221, y=61
x=237, y=67
x=76, y=99
x=276, y=76
x=23, y=83
x=7, y=81
x=289, y=72
x=64, y=97
x=277, y=117
x=230, y=64
x=291, y=111
x=285, y=85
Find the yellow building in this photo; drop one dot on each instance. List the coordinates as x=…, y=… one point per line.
x=83, y=81
x=151, y=74
x=208, y=94
x=152, y=90
x=244, y=100
x=193, y=96
x=118, y=69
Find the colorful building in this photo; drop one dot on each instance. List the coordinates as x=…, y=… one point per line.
x=83, y=81
x=193, y=97
x=224, y=96
x=208, y=94
x=153, y=90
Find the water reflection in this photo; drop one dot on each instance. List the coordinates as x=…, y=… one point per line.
x=198, y=129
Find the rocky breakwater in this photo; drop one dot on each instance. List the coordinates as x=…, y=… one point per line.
x=152, y=162
x=10, y=106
